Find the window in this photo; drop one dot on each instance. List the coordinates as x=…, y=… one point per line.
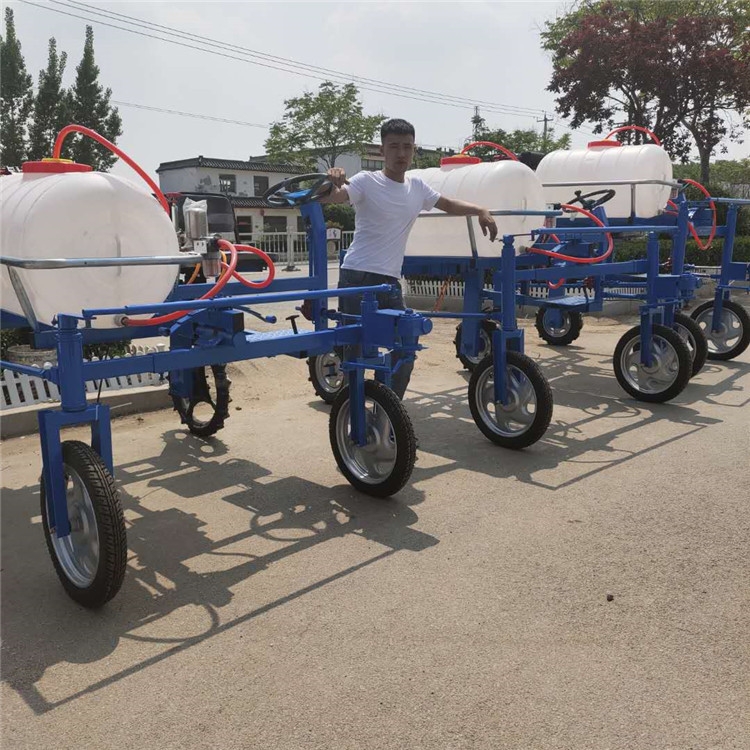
x=260, y=185
x=274, y=224
x=227, y=183
x=244, y=225
x=372, y=164
x=301, y=224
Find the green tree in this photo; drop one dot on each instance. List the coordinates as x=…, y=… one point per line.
x=322, y=125
x=51, y=105
x=676, y=67
x=517, y=141
x=89, y=106
x=16, y=97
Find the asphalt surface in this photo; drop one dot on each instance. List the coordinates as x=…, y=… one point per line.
x=588, y=592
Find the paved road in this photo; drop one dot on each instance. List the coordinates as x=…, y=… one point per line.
x=268, y=605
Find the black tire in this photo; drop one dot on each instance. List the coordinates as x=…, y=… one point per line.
x=693, y=335
x=668, y=377
x=520, y=371
x=325, y=374
x=218, y=401
x=485, y=344
x=570, y=331
x=94, y=581
x=400, y=443
x=738, y=318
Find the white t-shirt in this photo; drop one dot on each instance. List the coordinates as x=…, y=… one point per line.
x=385, y=212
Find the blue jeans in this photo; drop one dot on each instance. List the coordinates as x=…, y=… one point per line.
x=351, y=304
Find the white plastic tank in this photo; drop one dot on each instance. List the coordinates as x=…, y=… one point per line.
x=605, y=161
x=82, y=214
x=500, y=185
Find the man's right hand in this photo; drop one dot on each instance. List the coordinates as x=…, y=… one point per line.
x=337, y=176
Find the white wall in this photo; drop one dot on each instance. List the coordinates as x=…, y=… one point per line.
x=206, y=180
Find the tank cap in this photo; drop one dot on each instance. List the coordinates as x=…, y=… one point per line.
x=599, y=144
x=459, y=159
x=54, y=166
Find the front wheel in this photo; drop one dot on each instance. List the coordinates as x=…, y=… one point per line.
x=692, y=334
x=733, y=335
x=204, y=413
x=90, y=562
x=668, y=373
x=558, y=331
x=486, y=330
x=326, y=375
x=528, y=411
x=384, y=464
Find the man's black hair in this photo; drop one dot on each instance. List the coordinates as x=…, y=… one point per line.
x=396, y=127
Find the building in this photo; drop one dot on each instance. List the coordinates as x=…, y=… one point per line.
x=244, y=183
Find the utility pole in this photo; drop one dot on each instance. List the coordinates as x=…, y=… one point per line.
x=478, y=122
x=544, y=133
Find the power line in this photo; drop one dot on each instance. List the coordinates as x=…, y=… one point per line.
x=427, y=98
x=189, y=114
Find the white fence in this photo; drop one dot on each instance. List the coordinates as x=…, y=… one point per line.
x=291, y=247
x=25, y=390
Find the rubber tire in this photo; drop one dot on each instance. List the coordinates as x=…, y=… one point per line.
x=576, y=323
x=544, y=402
x=221, y=406
x=110, y=521
x=326, y=395
x=744, y=319
x=406, y=441
x=700, y=351
x=685, y=364
x=489, y=327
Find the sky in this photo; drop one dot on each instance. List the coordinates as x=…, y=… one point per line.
x=484, y=52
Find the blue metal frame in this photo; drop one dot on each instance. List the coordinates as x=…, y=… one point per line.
x=212, y=332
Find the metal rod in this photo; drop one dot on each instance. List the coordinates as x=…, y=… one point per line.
x=23, y=298
x=136, y=260
x=497, y=212
x=595, y=183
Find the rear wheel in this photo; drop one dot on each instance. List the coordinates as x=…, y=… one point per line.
x=528, y=411
x=384, y=464
x=558, y=327
x=204, y=413
x=486, y=330
x=668, y=373
x=90, y=561
x=733, y=335
x=326, y=375
x=692, y=334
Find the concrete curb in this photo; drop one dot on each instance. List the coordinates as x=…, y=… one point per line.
x=23, y=421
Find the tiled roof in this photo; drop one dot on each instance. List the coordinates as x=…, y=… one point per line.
x=240, y=166
x=252, y=203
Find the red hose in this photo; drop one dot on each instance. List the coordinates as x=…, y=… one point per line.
x=640, y=129
x=497, y=146
x=218, y=286
x=68, y=129
x=713, y=210
x=254, y=284
x=573, y=258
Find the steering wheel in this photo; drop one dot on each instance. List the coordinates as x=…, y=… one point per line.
x=287, y=193
x=587, y=203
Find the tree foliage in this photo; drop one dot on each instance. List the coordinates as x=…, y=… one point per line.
x=16, y=97
x=90, y=105
x=322, y=125
x=51, y=105
x=678, y=67
x=517, y=141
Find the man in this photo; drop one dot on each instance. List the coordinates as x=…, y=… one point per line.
x=387, y=204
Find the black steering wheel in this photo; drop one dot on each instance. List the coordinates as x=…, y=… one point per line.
x=587, y=203
x=287, y=193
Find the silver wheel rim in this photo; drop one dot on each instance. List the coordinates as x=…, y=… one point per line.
x=485, y=346
x=515, y=417
x=78, y=553
x=663, y=372
x=373, y=462
x=328, y=372
x=557, y=331
x=688, y=338
x=729, y=333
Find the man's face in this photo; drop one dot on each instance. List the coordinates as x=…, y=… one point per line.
x=398, y=151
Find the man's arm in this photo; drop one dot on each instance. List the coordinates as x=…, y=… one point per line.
x=455, y=207
x=339, y=193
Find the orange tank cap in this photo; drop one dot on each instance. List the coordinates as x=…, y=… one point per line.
x=54, y=166
x=459, y=159
x=598, y=144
